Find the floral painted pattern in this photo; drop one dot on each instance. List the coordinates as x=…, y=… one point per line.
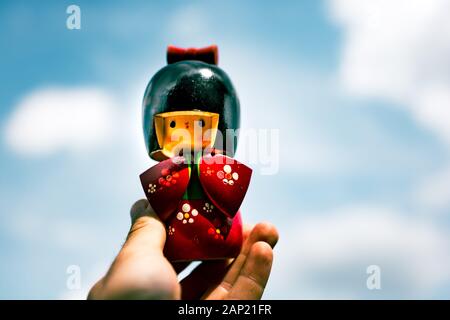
x=186, y=215
x=151, y=188
x=168, y=178
x=208, y=172
x=208, y=207
x=227, y=176
x=215, y=233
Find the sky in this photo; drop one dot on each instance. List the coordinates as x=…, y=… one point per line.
x=357, y=90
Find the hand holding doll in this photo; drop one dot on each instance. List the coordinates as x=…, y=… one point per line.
x=141, y=271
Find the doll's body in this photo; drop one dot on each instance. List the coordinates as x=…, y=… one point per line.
x=198, y=194
x=199, y=209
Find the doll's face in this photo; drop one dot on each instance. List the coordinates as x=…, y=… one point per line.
x=185, y=130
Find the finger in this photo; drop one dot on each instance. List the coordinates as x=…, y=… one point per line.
x=261, y=232
x=246, y=229
x=207, y=275
x=254, y=274
x=140, y=271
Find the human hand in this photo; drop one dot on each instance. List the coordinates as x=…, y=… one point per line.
x=140, y=270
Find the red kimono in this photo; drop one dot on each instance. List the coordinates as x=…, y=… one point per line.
x=199, y=204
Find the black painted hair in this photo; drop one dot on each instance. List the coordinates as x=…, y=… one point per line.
x=189, y=85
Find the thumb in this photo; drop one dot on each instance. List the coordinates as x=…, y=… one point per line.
x=140, y=271
x=147, y=231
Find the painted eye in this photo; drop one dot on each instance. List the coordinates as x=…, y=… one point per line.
x=202, y=123
x=173, y=124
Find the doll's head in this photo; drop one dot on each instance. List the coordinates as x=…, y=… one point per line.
x=191, y=102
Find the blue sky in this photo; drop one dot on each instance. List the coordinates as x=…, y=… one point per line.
x=360, y=105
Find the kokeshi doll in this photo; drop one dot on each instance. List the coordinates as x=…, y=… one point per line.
x=190, y=118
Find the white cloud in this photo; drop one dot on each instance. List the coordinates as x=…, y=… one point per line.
x=326, y=255
x=55, y=119
x=399, y=51
x=433, y=109
x=433, y=193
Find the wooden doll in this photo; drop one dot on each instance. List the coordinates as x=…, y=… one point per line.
x=190, y=117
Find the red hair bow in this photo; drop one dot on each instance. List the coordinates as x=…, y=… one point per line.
x=207, y=54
